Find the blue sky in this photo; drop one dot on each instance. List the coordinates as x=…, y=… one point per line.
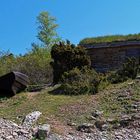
x=77, y=19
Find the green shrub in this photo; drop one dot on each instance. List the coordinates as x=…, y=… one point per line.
x=104, y=82
x=65, y=57
x=130, y=70
x=115, y=77
x=35, y=64
x=78, y=81
x=7, y=62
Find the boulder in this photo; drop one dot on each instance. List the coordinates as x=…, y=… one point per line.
x=43, y=131
x=31, y=118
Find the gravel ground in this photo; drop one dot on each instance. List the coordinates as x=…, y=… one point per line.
x=12, y=131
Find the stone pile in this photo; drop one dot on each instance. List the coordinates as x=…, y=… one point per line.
x=11, y=131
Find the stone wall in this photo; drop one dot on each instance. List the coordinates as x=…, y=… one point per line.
x=111, y=58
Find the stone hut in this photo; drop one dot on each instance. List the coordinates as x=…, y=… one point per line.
x=111, y=55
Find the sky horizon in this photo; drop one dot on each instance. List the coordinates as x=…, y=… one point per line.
x=76, y=19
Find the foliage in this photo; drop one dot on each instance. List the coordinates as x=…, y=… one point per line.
x=47, y=29
x=110, y=38
x=130, y=69
x=7, y=62
x=34, y=88
x=115, y=77
x=65, y=57
x=104, y=82
x=78, y=81
x=35, y=64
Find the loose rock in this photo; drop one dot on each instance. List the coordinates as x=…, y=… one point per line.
x=43, y=131
x=85, y=127
x=31, y=118
x=97, y=113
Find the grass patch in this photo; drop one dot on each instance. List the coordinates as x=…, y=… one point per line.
x=109, y=38
x=58, y=110
x=58, y=107
x=112, y=105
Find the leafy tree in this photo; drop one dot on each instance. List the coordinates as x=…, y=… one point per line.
x=66, y=56
x=47, y=29
x=7, y=62
x=36, y=64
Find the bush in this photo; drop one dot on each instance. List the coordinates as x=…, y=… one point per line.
x=116, y=77
x=78, y=81
x=130, y=70
x=7, y=62
x=66, y=56
x=104, y=82
x=35, y=64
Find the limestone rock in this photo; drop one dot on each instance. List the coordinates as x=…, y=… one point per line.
x=97, y=113
x=31, y=118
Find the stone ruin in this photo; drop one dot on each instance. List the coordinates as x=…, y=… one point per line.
x=111, y=55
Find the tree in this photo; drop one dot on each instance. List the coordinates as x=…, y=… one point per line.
x=66, y=56
x=47, y=29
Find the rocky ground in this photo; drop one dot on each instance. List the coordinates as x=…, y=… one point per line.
x=126, y=126
x=128, y=133
x=12, y=131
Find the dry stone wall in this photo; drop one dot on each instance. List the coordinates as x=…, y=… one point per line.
x=111, y=58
